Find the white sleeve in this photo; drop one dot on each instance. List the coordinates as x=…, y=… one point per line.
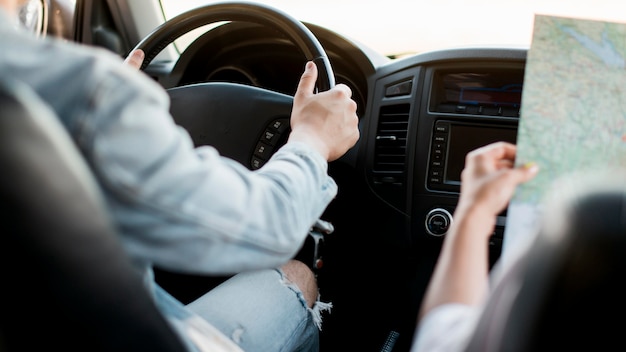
x=445, y=328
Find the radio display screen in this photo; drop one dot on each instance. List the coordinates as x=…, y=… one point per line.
x=464, y=138
x=484, y=89
x=479, y=92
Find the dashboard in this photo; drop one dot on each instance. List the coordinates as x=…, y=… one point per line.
x=427, y=112
x=453, y=101
x=398, y=187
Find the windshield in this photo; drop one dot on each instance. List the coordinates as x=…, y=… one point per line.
x=397, y=27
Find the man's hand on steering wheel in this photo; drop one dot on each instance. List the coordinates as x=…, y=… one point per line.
x=327, y=120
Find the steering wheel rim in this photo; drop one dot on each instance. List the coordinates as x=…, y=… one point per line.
x=265, y=15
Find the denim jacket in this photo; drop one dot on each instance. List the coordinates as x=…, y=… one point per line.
x=179, y=207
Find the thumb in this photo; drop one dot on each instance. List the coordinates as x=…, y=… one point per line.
x=135, y=59
x=527, y=172
x=307, y=81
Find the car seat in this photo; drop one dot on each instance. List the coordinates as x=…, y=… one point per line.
x=67, y=284
x=566, y=294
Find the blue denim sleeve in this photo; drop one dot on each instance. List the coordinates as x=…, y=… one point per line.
x=192, y=209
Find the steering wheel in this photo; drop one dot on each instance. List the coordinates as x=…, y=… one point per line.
x=243, y=122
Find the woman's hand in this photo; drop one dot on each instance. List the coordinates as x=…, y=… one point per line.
x=489, y=178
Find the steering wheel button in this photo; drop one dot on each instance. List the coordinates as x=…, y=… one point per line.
x=270, y=137
x=279, y=125
x=256, y=163
x=263, y=150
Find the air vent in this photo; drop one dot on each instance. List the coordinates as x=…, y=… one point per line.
x=390, y=147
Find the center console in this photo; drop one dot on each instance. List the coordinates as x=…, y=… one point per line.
x=464, y=108
x=427, y=116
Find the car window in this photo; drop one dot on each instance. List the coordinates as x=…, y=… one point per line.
x=397, y=27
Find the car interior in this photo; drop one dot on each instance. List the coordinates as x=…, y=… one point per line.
x=419, y=115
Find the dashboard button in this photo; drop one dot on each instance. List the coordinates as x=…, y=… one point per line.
x=440, y=138
x=436, y=172
x=441, y=128
x=438, y=222
x=438, y=154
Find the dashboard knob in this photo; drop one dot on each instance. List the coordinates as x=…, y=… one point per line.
x=438, y=222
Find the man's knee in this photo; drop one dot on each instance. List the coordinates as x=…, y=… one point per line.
x=301, y=275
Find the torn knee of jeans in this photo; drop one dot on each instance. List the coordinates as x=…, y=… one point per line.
x=293, y=287
x=317, y=308
x=316, y=311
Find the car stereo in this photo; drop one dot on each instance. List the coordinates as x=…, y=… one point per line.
x=451, y=141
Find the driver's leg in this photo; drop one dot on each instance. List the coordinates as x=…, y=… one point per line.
x=267, y=310
x=299, y=274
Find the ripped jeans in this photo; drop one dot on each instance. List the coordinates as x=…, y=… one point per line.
x=258, y=311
